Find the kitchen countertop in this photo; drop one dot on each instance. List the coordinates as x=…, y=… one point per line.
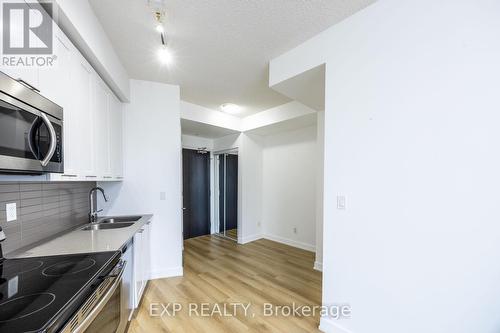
x=83, y=241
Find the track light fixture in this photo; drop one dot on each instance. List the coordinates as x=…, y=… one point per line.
x=159, y=13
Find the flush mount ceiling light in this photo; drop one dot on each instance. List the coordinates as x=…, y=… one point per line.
x=230, y=108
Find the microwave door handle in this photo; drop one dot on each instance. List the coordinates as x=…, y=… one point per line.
x=53, y=140
x=31, y=137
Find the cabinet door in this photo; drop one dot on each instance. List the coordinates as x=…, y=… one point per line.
x=101, y=126
x=25, y=73
x=54, y=81
x=128, y=281
x=146, y=252
x=138, y=267
x=78, y=121
x=116, y=137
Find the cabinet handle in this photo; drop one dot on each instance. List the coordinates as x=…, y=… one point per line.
x=66, y=175
x=90, y=176
x=107, y=177
x=24, y=83
x=140, y=231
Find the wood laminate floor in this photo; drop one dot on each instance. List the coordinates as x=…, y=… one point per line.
x=221, y=273
x=233, y=233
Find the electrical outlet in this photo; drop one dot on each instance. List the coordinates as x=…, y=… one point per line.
x=340, y=202
x=11, y=211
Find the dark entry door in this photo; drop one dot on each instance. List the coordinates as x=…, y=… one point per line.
x=196, y=193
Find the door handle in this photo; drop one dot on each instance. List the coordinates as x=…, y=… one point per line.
x=53, y=139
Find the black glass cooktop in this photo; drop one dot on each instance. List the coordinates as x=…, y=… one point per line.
x=40, y=294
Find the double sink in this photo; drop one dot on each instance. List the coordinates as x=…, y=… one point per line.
x=113, y=223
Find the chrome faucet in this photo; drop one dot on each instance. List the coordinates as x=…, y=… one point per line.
x=93, y=211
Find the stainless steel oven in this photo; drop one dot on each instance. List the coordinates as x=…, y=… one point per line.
x=104, y=311
x=31, y=130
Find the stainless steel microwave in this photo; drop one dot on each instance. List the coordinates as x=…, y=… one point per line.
x=31, y=130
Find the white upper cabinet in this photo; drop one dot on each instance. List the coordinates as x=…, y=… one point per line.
x=92, y=118
x=81, y=160
x=101, y=130
x=26, y=75
x=92, y=133
x=108, y=124
x=53, y=81
x=116, y=137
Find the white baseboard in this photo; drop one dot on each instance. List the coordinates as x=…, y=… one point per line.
x=291, y=242
x=329, y=325
x=318, y=266
x=248, y=239
x=165, y=273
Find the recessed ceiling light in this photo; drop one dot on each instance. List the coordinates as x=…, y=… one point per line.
x=230, y=108
x=165, y=55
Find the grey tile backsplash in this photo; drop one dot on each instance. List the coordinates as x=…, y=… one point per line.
x=43, y=209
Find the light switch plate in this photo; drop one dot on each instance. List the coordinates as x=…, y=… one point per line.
x=11, y=211
x=340, y=202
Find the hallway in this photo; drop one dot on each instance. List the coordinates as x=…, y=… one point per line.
x=219, y=271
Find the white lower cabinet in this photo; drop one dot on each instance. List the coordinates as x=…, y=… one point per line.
x=141, y=262
x=128, y=280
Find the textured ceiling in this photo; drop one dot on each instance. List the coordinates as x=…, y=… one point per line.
x=221, y=47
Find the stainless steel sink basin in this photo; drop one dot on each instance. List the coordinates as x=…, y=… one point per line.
x=120, y=219
x=98, y=226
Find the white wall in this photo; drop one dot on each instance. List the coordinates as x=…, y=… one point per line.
x=412, y=141
x=198, y=113
x=195, y=142
x=152, y=164
x=249, y=182
x=276, y=115
x=289, y=187
x=227, y=142
x=320, y=183
x=250, y=174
